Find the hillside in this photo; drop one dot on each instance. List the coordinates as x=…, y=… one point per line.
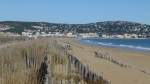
x=106, y=27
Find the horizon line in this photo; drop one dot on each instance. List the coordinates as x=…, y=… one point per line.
x=72, y=23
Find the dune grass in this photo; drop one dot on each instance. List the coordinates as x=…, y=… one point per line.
x=8, y=39
x=19, y=62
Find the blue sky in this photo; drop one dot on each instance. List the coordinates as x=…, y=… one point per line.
x=75, y=11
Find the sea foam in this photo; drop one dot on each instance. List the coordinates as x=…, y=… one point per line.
x=115, y=45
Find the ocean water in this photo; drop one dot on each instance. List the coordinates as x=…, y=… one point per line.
x=136, y=44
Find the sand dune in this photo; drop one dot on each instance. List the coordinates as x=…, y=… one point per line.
x=111, y=71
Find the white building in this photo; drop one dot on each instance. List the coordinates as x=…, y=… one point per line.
x=88, y=35
x=28, y=34
x=71, y=35
x=119, y=36
x=130, y=36
x=105, y=36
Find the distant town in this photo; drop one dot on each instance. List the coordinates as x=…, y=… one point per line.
x=108, y=29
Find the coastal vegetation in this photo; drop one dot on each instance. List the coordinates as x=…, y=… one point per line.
x=43, y=61
x=9, y=39
x=18, y=62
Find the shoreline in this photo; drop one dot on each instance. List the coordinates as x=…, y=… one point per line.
x=112, y=45
x=111, y=38
x=117, y=47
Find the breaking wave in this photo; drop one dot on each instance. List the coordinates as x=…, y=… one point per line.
x=116, y=45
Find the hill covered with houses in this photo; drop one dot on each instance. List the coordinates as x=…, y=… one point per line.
x=106, y=29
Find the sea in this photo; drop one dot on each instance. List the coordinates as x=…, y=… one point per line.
x=134, y=44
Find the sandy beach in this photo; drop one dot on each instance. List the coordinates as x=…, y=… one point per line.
x=139, y=62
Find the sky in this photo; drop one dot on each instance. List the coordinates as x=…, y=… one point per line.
x=75, y=11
